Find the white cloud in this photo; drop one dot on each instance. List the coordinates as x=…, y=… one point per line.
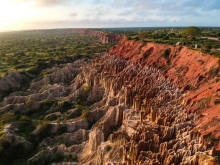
x=110, y=13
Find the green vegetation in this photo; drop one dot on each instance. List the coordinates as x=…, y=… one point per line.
x=87, y=88
x=32, y=51
x=108, y=148
x=206, y=40
x=192, y=31
x=56, y=157
x=217, y=101
x=70, y=157
x=204, y=103
x=167, y=53
x=85, y=113
x=42, y=129
x=144, y=55
x=211, y=139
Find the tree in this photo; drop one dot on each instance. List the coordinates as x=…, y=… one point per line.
x=142, y=35
x=192, y=32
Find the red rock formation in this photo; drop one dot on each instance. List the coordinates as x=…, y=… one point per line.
x=156, y=126
x=196, y=73
x=152, y=103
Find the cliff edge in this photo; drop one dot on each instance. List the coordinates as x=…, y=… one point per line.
x=196, y=73
x=162, y=106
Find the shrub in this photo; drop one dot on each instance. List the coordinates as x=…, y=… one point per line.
x=87, y=88
x=7, y=118
x=71, y=157
x=42, y=130
x=204, y=103
x=56, y=157
x=166, y=53
x=213, y=72
x=211, y=139
x=85, y=113
x=10, y=151
x=144, y=55
x=217, y=101
x=78, y=106
x=28, y=101
x=192, y=31
x=164, y=67
x=108, y=148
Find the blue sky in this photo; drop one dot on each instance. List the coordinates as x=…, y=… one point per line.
x=34, y=14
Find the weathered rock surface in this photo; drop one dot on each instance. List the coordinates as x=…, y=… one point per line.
x=152, y=122
x=139, y=110
x=13, y=80
x=195, y=73
x=104, y=37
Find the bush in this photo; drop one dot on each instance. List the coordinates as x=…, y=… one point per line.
x=10, y=151
x=56, y=157
x=192, y=31
x=85, y=113
x=217, y=101
x=144, y=55
x=26, y=127
x=71, y=157
x=166, y=53
x=108, y=148
x=87, y=88
x=42, y=130
x=213, y=72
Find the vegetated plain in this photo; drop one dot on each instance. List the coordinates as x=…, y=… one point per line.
x=23, y=51
x=207, y=39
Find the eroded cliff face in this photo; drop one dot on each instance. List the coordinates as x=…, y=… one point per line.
x=197, y=74
x=148, y=122
x=104, y=37
x=146, y=104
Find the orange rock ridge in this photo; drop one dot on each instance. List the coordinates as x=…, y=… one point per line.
x=196, y=73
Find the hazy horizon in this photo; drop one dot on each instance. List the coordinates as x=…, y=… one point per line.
x=52, y=14
x=26, y=30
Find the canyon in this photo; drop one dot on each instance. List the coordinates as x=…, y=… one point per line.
x=165, y=118
x=139, y=103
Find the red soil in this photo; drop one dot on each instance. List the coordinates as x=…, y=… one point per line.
x=194, y=72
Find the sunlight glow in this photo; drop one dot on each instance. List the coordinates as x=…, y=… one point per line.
x=13, y=14
x=41, y=14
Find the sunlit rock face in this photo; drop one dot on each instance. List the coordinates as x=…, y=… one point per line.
x=196, y=74
x=146, y=120
x=141, y=108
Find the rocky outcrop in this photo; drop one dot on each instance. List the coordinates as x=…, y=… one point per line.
x=76, y=137
x=110, y=38
x=138, y=104
x=13, y=80
x=156, y=127
x=195, y=73
x=103, y=36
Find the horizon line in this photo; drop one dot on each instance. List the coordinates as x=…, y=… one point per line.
x=25, y=30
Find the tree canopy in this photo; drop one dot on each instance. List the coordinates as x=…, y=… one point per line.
x=192, y=31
